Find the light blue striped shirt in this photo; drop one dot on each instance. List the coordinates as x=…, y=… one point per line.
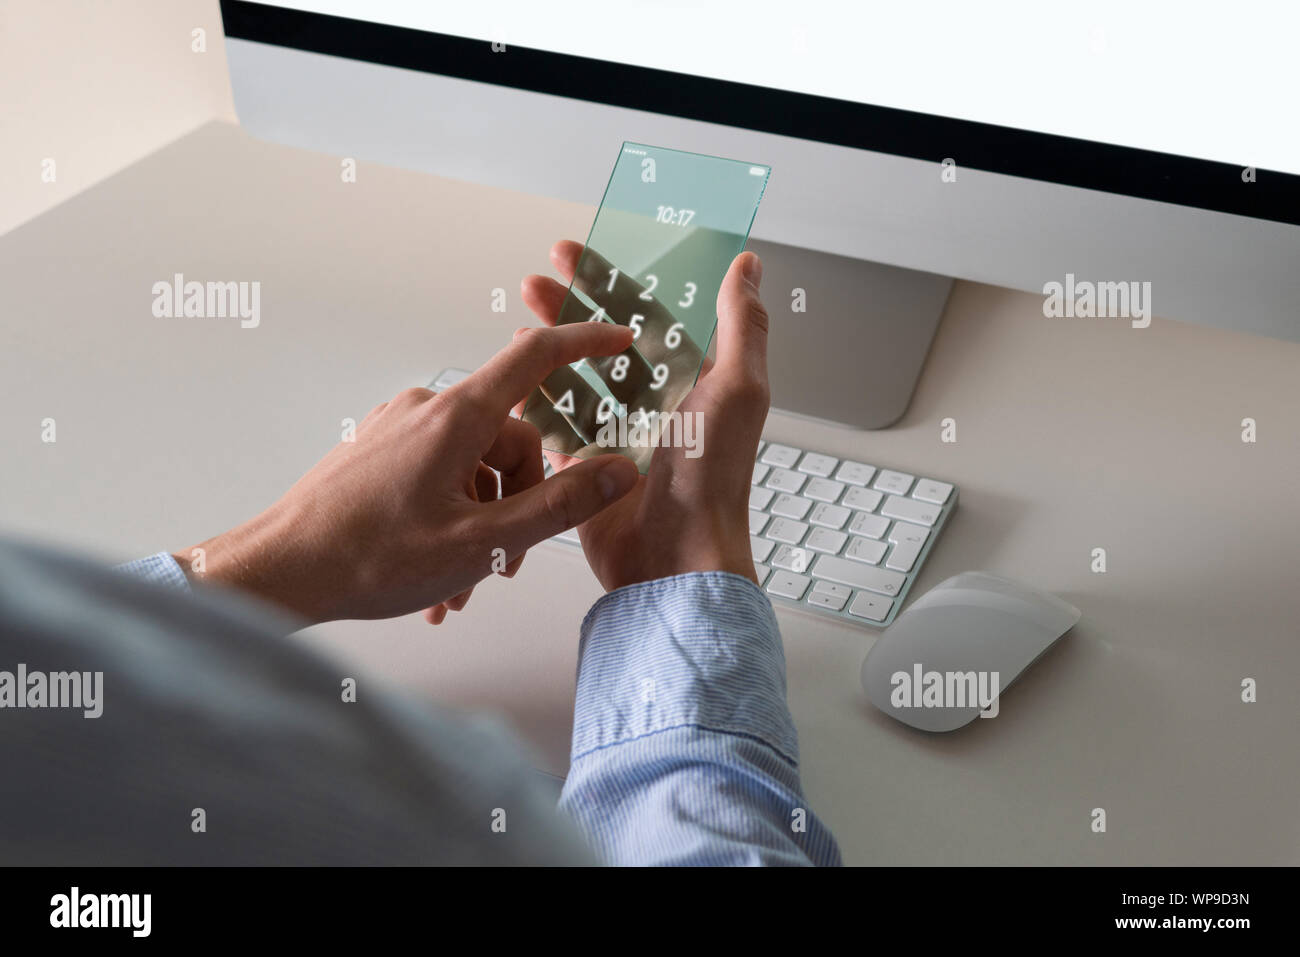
x=684, y=751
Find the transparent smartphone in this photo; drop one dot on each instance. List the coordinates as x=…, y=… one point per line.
x=665, y=234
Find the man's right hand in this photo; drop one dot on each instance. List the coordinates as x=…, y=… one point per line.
x=410, y=515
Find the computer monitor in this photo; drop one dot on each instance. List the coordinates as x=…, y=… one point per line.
x=1043, y=147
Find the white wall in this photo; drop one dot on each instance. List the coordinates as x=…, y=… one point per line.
x=95, y=86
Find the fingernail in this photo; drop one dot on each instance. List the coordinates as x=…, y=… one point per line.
x=753, y=269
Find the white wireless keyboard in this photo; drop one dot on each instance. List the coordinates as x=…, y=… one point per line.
x=839, y=537
x=831, y=536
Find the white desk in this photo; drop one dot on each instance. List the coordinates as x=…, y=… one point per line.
x=1072, y=434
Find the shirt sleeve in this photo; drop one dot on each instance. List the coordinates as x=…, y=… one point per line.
x=174, y=701
x=159, y=569
x=684, y=751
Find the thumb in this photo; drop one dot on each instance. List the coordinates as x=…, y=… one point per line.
x=742, y=322
x=563, y=501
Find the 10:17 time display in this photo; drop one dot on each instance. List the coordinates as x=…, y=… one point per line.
x=674, y=217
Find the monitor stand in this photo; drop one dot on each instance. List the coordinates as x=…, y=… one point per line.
x=853, y=356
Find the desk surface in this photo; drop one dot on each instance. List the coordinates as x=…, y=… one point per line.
x=1071, y=435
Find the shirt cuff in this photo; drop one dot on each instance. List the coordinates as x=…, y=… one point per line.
x=160, y=569
x=700, y=650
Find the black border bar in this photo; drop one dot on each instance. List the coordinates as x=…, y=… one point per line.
x=334, y=907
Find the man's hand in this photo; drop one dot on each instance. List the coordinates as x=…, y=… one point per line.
x=408, y=516
x=686, y=514
x=657, y=371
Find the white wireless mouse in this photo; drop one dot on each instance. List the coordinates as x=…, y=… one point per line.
x=959, y=646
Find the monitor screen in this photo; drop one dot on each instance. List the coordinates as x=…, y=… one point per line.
x=1192, y=79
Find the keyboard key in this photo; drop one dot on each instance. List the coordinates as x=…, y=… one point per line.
x=903, y=556
x=761, y=445
x=868, y=526
x=862, y=498
x=792, y=558
x=791, y=506
x=906, y=532
x=910, y=510
x=830, y=516
x=788, y=585
x=760, y=498
x=830, y=588
x=762, y=571
x=870, y=607
x=570, y=535
x=827, y=595
x=756, y=521
x=782, y=456
x=855, y=473
x=858, y=575
x=760, y=473
x=896, y=482
x=761, y=547
x=448, y=378
x=783, y=480
x=785, y=530
x=824, y=490
x=816, y=464
x=928, y=490
x=908, y=541
x=865, y=550
x=824, y=540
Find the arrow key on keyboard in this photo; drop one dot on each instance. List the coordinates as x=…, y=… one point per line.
x=788, y=585
x=870, y=607
x=827, y=595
